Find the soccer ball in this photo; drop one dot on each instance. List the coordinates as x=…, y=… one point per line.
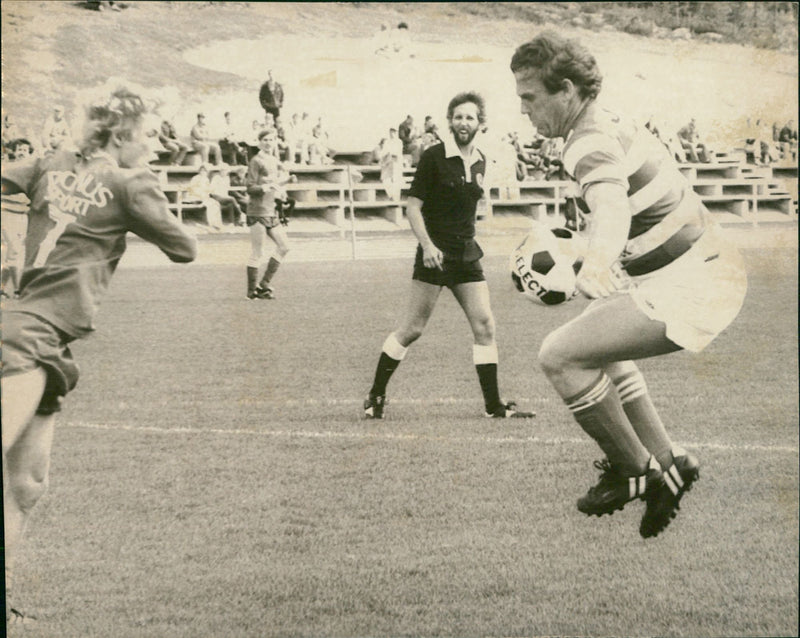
x=545, y=265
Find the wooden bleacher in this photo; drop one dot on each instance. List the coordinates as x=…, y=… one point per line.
x=734, y=191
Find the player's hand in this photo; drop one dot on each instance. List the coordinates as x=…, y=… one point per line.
x=597, y=280
x=432, y=257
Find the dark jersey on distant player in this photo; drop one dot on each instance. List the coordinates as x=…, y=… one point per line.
x=449, y=195
x=262, y=172
x=604, y=147
x=80, y=212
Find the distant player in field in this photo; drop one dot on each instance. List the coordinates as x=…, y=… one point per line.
x=681, y=283
x=441, y=210
x=265, y=179
x=82, y=206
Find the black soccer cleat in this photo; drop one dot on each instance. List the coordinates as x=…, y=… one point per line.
x=509, y=411
x=265, y=292
x=373, y=406
x=664, y=502
x=614, y=490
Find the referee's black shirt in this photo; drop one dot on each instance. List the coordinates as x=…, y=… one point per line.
x=449, y=201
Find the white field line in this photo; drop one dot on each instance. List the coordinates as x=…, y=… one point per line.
x=405, y=436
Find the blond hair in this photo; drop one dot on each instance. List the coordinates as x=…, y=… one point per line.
x=118, y=113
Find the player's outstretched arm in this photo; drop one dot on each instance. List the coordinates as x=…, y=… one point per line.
x=152, y=220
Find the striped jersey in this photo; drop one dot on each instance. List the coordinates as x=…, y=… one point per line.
x=604, y=147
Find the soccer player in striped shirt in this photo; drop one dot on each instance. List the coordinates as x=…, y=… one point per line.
x=662, y=277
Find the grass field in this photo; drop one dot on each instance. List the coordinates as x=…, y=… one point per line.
x=212, y=476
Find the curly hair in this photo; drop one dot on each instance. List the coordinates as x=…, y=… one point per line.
x=464, y=98
x=555, y=59
x=117, y=113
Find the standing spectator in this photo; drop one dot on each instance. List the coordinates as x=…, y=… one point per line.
x=55, y=132
x=391, y=160
x=65, y=280
x=203, y=143
x=441, y=210
x=407, y=132
x=265, y=179
x=787, y=138
x=662, y=276
x=232, y=148
x=271, y=96
x=169, y=140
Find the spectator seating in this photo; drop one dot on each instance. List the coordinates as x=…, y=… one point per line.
x=733, y=190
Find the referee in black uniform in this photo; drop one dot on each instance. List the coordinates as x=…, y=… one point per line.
x=441, y=210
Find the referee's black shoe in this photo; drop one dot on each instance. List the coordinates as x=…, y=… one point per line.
x=373, y=406
x=509, y=411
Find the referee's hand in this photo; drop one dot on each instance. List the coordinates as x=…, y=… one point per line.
x=432, y=257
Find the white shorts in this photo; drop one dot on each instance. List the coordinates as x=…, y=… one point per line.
x=698, y=295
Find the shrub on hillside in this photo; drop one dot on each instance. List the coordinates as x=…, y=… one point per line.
x=639, y=26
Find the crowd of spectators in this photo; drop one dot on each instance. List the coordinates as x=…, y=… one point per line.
x=765, y=144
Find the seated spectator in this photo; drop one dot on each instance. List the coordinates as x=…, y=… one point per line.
x=252, y=139
x=203, y=143
x=232, y=147
x=221, y=193
x=383, y=40
x=787, y=140
x=199, y=190
x=11, y=133
x=318, y=150
x=169, y=140
x=768, y=148
x=55, y=132
x=689, y=138
x=103, y=5
x=19, y=149
x=304, y=134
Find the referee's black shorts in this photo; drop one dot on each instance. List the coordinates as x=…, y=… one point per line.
x=454, y=271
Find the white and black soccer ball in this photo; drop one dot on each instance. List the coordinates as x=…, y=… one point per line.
x=545, y=265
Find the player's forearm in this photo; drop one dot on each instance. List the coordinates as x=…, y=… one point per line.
x=417, y=223
x=609, y=221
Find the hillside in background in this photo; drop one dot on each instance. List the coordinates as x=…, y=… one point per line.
x=213, y=56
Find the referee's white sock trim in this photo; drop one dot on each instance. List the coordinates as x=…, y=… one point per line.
x=393, y=348
x=484, y=354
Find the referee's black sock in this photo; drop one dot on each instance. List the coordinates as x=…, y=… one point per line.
x=487, y=375
x=391, y=356
x=485, y=359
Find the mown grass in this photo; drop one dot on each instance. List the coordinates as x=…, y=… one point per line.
x=212, y=477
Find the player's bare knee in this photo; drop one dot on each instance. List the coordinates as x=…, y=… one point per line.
x=484, y=329
x=552, y=357
x=408, y=335
x=28, y=489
